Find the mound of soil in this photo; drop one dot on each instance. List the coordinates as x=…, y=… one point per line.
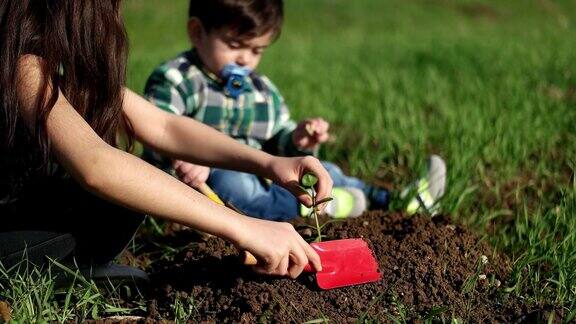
x=430, y=268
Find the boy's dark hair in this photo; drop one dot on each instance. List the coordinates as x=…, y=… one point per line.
x=245, y=18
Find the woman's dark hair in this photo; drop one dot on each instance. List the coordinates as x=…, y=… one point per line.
x=83, y=46
x=245, y=18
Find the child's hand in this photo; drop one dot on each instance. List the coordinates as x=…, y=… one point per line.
x=191, y=174
x=279, y=249
x=287, y=172
x=310, y=133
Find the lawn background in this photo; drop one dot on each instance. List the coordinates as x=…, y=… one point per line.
x=488, y=85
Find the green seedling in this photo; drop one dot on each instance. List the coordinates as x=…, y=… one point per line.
x=307, y=184
x=309, y=180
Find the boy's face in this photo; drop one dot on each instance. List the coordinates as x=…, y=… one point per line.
x=217, y=48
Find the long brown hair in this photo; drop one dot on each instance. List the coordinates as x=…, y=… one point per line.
x=83, y=45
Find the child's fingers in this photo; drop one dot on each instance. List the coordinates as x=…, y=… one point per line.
x=321, y=126
x=312, y=126
x=317, y=132
x=189, y=177
x=187, y=180
x=185, y=168
x=197, y=183
x=192, y=171
x=322, y=138
x=200, y=175
x=309, y=128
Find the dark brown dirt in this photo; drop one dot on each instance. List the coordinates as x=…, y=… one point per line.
x=430, y=269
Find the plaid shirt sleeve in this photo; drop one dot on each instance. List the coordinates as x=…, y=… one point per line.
x=169, y=90
x=281, y=142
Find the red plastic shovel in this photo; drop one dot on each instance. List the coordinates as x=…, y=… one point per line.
x=344, y=263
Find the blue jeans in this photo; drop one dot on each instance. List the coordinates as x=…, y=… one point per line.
x=254, y=197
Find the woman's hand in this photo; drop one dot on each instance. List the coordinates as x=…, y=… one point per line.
x=287, y=172
x=279, y=249
x=310, y=133
x=191, y=174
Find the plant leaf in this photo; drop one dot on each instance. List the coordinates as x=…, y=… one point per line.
x=308, y=180
x=305, y=190
x=324, y=200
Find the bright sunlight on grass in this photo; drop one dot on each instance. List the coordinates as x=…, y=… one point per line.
x=488, y=85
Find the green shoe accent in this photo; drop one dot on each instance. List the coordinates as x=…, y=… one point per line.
x=343, y=205
x=428, y=190
x=423, y=199
x=347, y=202
x=305, y=211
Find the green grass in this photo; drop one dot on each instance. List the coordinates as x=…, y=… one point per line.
x=489, y=85
x=35, y=296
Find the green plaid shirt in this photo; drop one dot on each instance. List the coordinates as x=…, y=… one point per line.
x=259, y=117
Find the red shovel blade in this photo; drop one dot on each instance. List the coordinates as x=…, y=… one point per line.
x=345, y=263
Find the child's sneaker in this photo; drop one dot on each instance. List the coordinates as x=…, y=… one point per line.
x=429, y=189
x=347, y=202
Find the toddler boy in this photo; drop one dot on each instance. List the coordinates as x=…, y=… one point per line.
x=216, y=83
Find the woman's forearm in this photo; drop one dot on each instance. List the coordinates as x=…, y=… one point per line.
x=187, y=139
x=122, y=178
x=190, y=140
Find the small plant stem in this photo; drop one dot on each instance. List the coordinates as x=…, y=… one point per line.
x=315, y=213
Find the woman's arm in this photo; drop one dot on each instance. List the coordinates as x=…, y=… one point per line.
x=122, y=178
x=189, y=140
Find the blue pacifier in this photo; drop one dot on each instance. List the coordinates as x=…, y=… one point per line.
x=235, y=79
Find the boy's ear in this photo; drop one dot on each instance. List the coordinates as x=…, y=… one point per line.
x=195, y=29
